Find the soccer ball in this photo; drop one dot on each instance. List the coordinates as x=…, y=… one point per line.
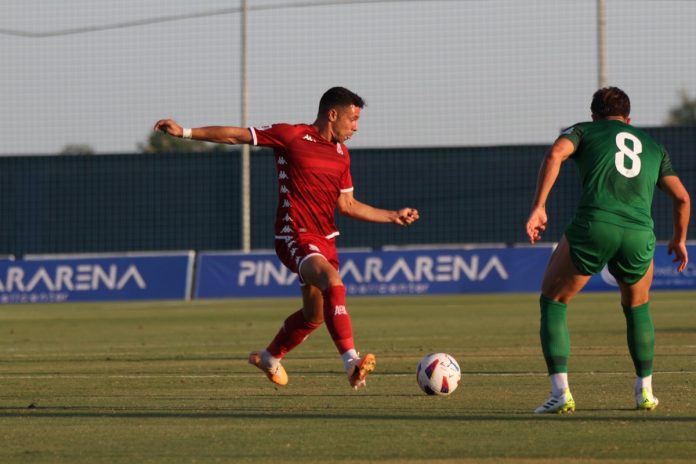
x=438, y=374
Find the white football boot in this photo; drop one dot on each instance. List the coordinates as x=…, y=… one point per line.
x=645, y=401
x=564, y=404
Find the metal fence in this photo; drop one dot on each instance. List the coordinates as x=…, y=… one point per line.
x=70, y=204
x=84, y=77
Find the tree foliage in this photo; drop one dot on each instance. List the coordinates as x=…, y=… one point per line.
x=77, y=149
x=685, y=113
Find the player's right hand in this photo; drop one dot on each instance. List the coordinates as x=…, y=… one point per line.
x=169, y=126
x=536, y=224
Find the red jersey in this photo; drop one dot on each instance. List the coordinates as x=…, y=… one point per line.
x=312, y=173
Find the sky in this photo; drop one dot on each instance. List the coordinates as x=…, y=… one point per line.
x=433, y=73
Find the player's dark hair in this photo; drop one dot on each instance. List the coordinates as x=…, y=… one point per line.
x=339, y=96
x=610, y=101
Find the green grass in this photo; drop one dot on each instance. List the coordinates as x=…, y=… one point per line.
x=168, y=382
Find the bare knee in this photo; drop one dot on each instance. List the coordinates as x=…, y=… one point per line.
x=562, y=280
x=313, y=316
x=328, y=278
x=636, y=294
x=631, y=301
x=558, y=290
x=557, y=296
x=318, y=272
x=312, y=304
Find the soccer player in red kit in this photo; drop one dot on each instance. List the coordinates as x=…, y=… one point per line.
x=313, y=167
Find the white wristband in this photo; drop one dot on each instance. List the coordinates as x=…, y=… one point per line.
x=188, y=133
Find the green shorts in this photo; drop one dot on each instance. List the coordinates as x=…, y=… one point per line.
x=627, y=252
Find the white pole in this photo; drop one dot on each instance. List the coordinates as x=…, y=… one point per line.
x=246, y=162
x=601, y=45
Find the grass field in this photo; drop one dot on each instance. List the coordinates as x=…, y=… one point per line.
x=168, y=382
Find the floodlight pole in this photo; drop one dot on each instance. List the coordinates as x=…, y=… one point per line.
x=246, y=152
x=601, y=45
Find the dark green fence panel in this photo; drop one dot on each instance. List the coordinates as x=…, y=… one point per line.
x=76, y=204
x=464, y=195
x=70, y=204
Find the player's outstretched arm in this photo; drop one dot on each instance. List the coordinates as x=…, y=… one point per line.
x=548, y=173
x=217, y=134
x=681, y=210
x=349, y=206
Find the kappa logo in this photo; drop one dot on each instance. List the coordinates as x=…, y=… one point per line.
x=313, y=247
x=308, y=138
x=340, y=310
x=281, y=161
x=339, y=150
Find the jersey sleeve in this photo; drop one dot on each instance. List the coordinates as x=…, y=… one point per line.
x=666, y=164
x=346, y=182
x=275, y=136
x=573, y=133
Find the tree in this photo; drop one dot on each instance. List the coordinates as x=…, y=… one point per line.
x=77, y=149
x=685, y=113
x=159, y=142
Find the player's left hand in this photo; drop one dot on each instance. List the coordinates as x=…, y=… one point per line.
x=406, y=216
x=681, y=255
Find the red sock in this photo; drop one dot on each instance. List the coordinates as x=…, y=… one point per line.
x=295, y=329
x=337, y=318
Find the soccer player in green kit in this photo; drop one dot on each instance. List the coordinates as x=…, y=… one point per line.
x=619, y=166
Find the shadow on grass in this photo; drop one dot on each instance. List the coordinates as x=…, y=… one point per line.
x=121, y=413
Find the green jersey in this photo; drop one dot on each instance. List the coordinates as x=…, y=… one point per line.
x=619, y=167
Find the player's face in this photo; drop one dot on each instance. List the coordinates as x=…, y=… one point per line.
x=346, y=123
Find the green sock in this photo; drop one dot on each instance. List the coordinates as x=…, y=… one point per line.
x=640, y=334
x=555, y=338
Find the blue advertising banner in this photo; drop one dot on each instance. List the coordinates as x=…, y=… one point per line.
x=414, y=271
x=46, y=279
x=397, y=272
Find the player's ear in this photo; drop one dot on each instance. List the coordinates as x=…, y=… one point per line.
x=332, y=114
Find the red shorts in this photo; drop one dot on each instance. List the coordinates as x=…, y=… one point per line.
x=292, y=251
